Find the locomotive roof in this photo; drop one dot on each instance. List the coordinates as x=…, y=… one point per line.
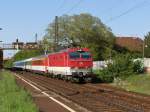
x=75, y=49
x=71, y=50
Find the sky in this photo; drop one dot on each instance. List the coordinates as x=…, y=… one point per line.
x=23, y=18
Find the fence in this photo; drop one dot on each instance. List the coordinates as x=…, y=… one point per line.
x=99, y=64
x=103, y=64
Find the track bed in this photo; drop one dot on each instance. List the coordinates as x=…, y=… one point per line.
x=94, y=97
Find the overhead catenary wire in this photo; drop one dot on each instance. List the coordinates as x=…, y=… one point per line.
x=74, y=6
x=105, y=11
x=61, y=5
x=127, y=11
x=71, y=9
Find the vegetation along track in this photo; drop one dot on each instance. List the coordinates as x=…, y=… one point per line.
x=95, y=97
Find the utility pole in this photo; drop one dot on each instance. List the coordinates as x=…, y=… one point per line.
x=36, y=38
x=56, y=33
x=65, y=34
x=144, y=46
x=17, y=44
x=143, y=49
x=1, y=55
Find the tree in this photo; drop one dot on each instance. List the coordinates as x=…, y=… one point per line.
x=83, y=30
x=46, y=45
x=25, y=54
x=147, y=45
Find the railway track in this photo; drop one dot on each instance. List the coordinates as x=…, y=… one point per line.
x=134, y=98
x=95, y=97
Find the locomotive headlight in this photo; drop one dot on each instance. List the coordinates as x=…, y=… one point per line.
x=76, y=68
x=81, y=63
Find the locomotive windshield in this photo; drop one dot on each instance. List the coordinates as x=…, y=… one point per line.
x=85, y=55
x=76, y=55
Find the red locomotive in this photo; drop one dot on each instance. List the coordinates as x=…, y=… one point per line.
x=71, y=63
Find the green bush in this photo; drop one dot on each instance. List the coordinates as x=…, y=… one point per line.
x=138, y=66
x=121, y=66
x=104, y=75
x=8, y=63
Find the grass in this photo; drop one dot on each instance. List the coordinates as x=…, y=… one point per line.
x=137, y=83
x=12, y=97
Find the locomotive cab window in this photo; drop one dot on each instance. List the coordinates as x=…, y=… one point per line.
x=85, y=55
x=74, y=55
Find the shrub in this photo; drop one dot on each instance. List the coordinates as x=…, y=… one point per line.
x=138, y=66
x=104, y=75
x=121, y=67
